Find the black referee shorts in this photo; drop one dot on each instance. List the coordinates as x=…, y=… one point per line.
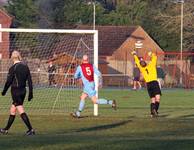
x=153, y=89
x=18, y=96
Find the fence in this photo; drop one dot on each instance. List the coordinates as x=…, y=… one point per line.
x=178, y=73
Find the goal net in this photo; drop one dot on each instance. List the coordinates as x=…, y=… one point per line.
x=52, y=56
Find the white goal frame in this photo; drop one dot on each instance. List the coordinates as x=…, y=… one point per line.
x=94, y=32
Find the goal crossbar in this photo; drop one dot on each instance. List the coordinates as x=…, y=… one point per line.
x=48, y=30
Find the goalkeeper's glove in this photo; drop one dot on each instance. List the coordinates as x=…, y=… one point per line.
x=30, y=96
x=133, y=53
x=149, y=53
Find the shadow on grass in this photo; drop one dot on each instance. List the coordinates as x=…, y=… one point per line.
x=190, y=116
x=104, y=127
x=163, y=115
x=92, y=142
x=81, y=117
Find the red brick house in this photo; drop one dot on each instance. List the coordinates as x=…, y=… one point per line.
x=116, y=44
x=5, y=22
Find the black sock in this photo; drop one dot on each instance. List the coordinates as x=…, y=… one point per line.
x=10, y=122
x=152, y=107
x=157, y=106
x=26, y=120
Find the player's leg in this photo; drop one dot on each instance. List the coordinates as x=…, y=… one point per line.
x=134, y=85
x=81, y=105
x=139, y=84
x=91, y=92
x=152, y=100
x=24, y=116
x=50, y=80
x=101, y=100
x=157, y=103
x=11, y=117
x=25, y=119
x=82, y=101
x=104, y=101
x=14, y=94
x=151, y=91
x=153, y=107
x=10, y=120
x=157, y=93
x=21, y=111
x=54, y=81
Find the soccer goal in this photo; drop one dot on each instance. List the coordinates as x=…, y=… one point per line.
x=52, y=56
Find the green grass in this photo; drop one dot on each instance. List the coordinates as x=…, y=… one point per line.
x=128, y=128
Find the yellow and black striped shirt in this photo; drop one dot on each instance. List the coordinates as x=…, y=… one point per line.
x=149, y=72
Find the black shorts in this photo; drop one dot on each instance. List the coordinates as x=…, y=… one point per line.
x=136, y=78
x=153, y=89
x=18, y=96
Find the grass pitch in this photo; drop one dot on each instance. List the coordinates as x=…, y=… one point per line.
x=128, y=128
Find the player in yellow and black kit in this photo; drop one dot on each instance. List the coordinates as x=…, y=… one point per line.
x=149, y=73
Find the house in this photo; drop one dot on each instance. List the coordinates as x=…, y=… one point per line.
x=115, y=46
x=65, y=67
x=5, y=22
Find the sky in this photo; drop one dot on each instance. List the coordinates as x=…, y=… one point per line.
x=2, y=2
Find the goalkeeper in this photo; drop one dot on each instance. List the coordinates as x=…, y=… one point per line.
x=150, y=75
x=86, y=72
x=17, y=76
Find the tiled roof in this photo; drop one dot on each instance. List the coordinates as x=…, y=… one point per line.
x=111, y=37
x=4, y=13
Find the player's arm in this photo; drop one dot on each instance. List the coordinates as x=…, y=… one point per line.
x=99, y=74
x=137, y=61
x=77, y=74
x=30, y=85
x=10, y=77
x=153, y=58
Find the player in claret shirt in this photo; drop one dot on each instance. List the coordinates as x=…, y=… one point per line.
x=86, y=72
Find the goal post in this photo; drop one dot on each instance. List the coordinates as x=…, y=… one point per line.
x=96, y=64
x=64, y=48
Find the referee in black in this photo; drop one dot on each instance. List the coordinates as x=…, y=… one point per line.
x=17, y=76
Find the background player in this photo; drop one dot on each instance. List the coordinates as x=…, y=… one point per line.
x=161, y=76
x=86, y=72
x=150, y=75
x=18, y=74
x=51, y=72
x=136, y=78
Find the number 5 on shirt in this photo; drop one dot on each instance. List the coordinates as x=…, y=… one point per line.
x=88, y=71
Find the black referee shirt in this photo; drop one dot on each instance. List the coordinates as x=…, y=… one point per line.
x=17, y=76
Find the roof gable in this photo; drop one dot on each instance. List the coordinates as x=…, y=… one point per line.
x=124, y=51
x=4, y=14
x=111, y=37
x=151, y=40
